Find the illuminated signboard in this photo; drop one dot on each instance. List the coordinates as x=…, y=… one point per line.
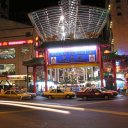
x=17, y=77
x=16, y=42
x=72, y=55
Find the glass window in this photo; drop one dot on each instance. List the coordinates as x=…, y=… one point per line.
x=7, y=53
x=59, y=91
x=8, y=92
x=12, y=92
x=118, y=7
x=96, y=91
x=53, y=91
x=7, y=69
x=119, y=14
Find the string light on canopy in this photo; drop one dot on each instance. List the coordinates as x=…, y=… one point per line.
x=69, y=20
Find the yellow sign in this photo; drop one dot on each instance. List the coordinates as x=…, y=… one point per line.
x=72, y=65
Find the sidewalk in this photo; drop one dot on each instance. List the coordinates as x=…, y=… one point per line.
x=120, y=95
x=39, y=98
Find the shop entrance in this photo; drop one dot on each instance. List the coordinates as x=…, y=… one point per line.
x=74, y=75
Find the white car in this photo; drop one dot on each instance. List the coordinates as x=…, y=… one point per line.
x=33, y=95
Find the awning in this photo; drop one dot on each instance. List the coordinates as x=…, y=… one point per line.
x=70, y=43
x=34, y=62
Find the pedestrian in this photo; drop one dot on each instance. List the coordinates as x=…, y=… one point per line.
x=2, y=91
x=126, y=92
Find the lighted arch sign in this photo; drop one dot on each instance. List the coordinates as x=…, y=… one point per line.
x=72, y=55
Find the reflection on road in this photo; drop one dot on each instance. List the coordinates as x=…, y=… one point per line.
x=19, y=104
x=56, y=108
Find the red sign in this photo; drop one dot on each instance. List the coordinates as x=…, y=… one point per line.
x=16, y=42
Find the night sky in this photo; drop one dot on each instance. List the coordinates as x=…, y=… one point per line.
x=19, y=9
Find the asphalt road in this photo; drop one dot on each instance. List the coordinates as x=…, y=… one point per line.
x=64, y=113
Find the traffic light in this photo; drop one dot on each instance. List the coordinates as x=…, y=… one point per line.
x=29, y=79
x=25, y=78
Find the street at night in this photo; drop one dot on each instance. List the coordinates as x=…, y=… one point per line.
x=63, y=64
x=56, y=113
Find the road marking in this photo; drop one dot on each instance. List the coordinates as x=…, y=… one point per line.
x=97, y=102
x=68, y=107
x=107, y=111
x=51, y=103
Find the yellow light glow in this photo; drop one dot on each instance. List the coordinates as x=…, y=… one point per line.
x=37, y=38
x=30, y=41
x=118, y=68
x=109, y=7
x=73, y=65
x=106, y=51
x=111, y=24
x=5, y=44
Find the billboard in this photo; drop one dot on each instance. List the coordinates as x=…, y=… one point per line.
x=72, y=55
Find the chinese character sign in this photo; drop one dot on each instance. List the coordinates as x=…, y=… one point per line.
x=72, y=56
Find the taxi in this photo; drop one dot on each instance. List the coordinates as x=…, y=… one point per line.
x=58, y=93
x=15, y=94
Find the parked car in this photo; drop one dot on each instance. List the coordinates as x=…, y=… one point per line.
x=33, y=95
x=58, y=93
x=93, y=93
x=115, y=93
x=15, y=94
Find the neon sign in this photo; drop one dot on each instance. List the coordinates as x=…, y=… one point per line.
x=74, y=49
x=16, y=42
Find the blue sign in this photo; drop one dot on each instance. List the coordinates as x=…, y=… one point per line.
x=72, y=57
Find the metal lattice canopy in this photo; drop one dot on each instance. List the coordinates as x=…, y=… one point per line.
x=69, y=20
